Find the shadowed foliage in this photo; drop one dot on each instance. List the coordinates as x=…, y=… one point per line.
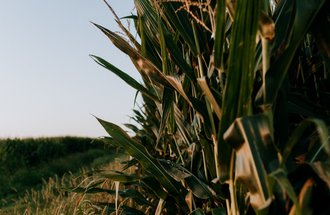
x=235, y=106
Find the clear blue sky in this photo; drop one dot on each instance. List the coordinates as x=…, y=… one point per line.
x=49, y=86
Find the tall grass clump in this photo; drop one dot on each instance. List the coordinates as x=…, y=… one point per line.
x=235, y=107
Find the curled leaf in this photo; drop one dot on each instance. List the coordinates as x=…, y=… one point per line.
x=255, y=155
x=266, y=26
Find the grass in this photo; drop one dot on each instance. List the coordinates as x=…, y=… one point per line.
x=27, y=163
x=55, y=196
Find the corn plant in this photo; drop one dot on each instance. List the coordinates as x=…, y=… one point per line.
x=235, y=106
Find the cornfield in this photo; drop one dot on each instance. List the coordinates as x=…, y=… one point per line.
x=235, y=108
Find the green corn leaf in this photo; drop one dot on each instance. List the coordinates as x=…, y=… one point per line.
x=163, y=48
x=144, y=47
x=180, y=21
x=219, y=39
x=239, y=84
x=167, y=106
x=124, y=76
x=166, y=38
x=198, y=187
x=205, y=88
x=153, y=185
x=217, y=114
x=295, y=16
x=197, y=211
x=119, y=42
x=147, y=69
x=171, y=45
x=178, y=56
x=128, y=34
x=196, y=104
x=120, y=177
x=150, y=49
x=149, y=14
x=301, y=105
x=176, y=84
x=182, y=126
x=219, y=211
x=321, y=30
x=305, y=197
x=81, y=189
x=298, y=133
x=322, y=169
x=176, y=171
x=209, y=153
x=255, y=156
x=134, y=128
x=135, y=195
x=149, y=163
x=281, y=177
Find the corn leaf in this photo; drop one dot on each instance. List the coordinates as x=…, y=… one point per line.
x=119, y=42
x=219, y=39
x=209, y=153
x=322, y=169
x=128, y=34
x=178, y=56
x=255, y=156
x=120, y=177
x=147, y=69
x=151, y=28
x=149, y=163
x=197, y=211
x=180, y=22
x=124, y=76
x=305, y=197
x=298, y=133
x=282, y=179
x=176, y=84
x=149, y=14
x=219, y=211
x=182, y=126
x=301, y=13
x=167, y=108
x=205, y=88
x=153, y=185
x=239, y=84
x=198, y=187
